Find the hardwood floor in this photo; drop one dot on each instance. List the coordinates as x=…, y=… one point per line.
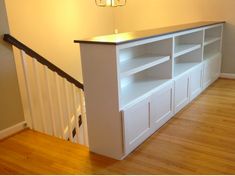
x=198, y=140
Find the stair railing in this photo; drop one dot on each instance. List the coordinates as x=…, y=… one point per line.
x=53, y=101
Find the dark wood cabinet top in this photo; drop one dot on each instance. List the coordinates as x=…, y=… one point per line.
x=127, y=37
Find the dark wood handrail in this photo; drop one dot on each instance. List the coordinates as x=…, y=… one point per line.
x=8, y=38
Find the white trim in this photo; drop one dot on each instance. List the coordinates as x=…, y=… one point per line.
x=12, y=130
x=227, y=75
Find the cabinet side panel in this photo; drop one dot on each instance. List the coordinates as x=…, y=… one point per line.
x=99, y=64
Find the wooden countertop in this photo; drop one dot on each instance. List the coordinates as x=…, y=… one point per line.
x=122, y=38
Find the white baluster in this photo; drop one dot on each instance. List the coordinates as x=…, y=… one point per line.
x=75, y=110
x=67, y=109
x=84, y=121
x=30, y=121
x=51, y=107
x=59, y=104
x=39, y=91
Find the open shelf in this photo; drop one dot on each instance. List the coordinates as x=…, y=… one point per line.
x=210, y=40
x=138, y=89
x=183, y=67
x=139, y=64
x=187, y=43
x=185, y=62
x=212, y=35
x=212, y=50
x=181, y=49
x=208, y=56
x=137, y=85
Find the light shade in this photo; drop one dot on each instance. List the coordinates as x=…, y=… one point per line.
x=110, y=3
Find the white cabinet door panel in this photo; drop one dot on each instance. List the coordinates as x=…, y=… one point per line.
x=216, y=69
x=181, y=92
x=161, y=107
x=207, y=74
x=136, y=125
x=211, y=70
x=195, y=82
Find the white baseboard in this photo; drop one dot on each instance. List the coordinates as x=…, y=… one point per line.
x=12, y=130
x=227, y=75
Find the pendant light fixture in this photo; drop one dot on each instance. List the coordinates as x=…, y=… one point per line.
x=110, y=3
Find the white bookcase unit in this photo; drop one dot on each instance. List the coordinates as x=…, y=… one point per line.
x=136, y=82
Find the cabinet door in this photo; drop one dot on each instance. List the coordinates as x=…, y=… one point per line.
x=207, y=73
x=161, y=106
x=216, y=67
x=211, y=70
x=195, y=82
x=136, y=125
x=181, y=92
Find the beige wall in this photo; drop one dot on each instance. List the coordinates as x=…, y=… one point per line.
x=139, y=14
x=50, y=26
x=11, y=111
x=223, y=10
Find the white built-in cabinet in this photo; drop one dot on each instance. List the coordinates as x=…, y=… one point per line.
x=133, y=88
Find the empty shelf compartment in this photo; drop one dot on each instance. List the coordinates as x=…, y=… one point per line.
x=139, y=64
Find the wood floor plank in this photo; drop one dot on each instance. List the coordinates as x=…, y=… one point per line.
x=198, y=140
